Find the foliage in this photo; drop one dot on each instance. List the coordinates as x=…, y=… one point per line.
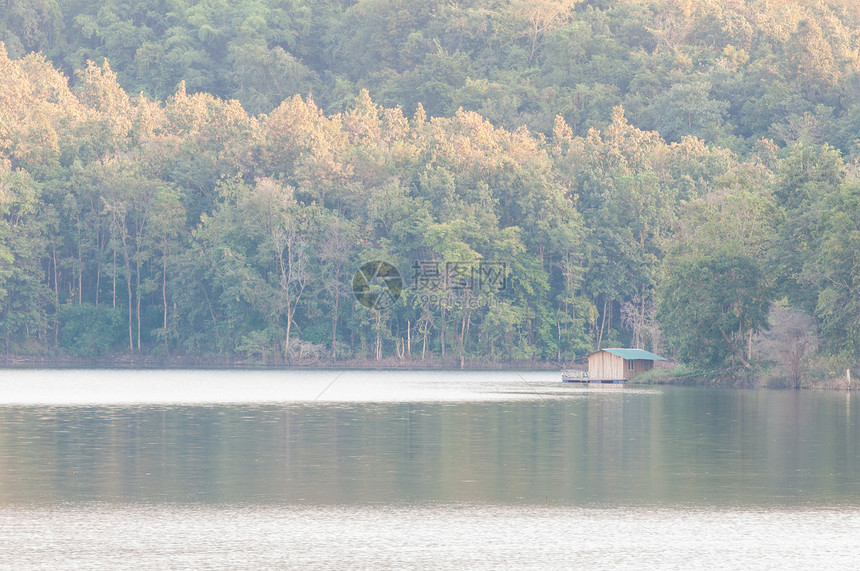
x=710, y=304
x=88, y=330
x=213, y=173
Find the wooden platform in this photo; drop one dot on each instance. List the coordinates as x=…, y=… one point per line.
x=581, y=376
x=587, y=381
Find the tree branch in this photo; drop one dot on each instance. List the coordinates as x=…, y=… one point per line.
x=734, y=351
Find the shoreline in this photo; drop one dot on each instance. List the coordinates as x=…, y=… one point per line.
x=151, y=362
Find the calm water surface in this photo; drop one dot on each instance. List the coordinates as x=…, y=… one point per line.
x=367, y=469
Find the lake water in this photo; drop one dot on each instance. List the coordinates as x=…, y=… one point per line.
x=368, y=469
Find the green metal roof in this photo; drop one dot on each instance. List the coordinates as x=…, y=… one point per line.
x=631, y=354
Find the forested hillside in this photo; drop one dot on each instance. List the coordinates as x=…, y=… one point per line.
x=203, y=179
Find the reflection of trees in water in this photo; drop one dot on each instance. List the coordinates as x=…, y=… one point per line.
x=606, y=446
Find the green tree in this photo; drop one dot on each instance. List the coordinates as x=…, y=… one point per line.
x=709, y=306
x=87, y=330
x=687, y=109
x=835, y=271
x=31, y=26
x=25, y=301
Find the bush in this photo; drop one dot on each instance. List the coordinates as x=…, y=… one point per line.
x=89, y=330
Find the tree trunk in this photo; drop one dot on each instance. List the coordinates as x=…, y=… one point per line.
x=602, y=323
x=735, y=351
x=442, y=330
x=130, y=317
x=99, y=252
x=98, y=280
x=749, y=345
x=378, y=336
x=80, y=277
x=334, y=326
x=164, y=292
x=114, y=279
x=462, y=347
x=56, y=296
x=137, y=297
x=287, y=338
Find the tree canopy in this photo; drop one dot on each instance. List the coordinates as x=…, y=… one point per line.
x=549, y=177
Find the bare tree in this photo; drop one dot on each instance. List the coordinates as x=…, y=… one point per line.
x=295, y=274
x=274, y=206
x=632, y=318
x=539, y=17
x=638, y=315
x=789, y=341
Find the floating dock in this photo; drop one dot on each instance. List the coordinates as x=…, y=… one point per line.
x=596, y=381
x=581, y=376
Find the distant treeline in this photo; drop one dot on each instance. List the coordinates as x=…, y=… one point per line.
x=727, y=71
x=680, y=176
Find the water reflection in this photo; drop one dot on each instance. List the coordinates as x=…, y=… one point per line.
x=545, y=444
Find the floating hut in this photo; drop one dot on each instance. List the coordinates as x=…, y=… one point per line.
x=613, y=366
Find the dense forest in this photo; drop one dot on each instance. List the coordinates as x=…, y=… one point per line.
x=203, y=179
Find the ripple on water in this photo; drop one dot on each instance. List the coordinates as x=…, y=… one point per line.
x=440, y=537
